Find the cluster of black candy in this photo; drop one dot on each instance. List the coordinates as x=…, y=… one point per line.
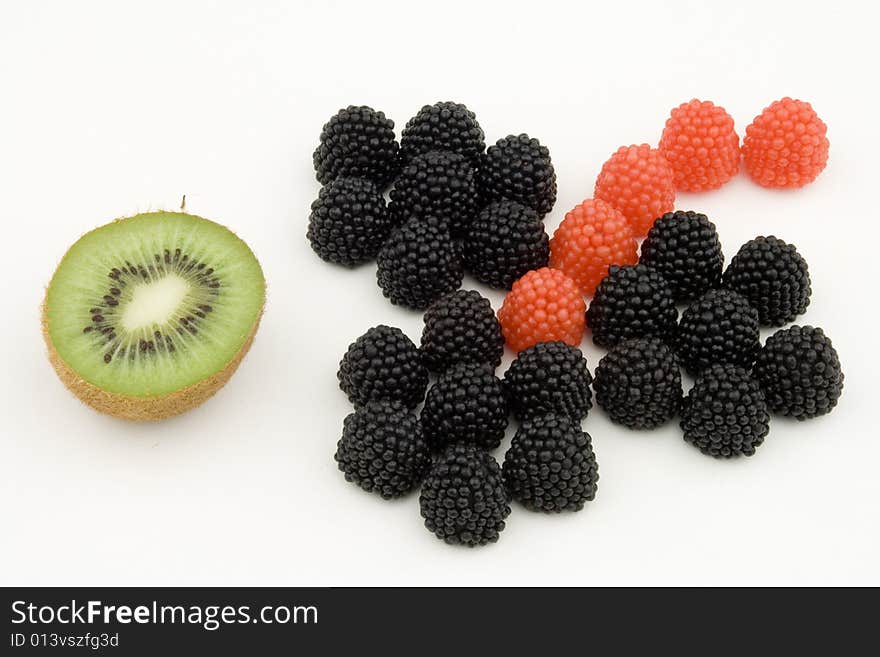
x=465, y=494
x=738, y=383
x=455, y=205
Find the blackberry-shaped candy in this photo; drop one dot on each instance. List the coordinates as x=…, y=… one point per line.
x=506, y=240
x=382, y=449
x=549, y=377
x=725, y=413
x=720, y=327
x=773, y=276
x=550, y=465
x=799, y=372
x=461, y=327
x=440, y=185
x=631, y=302
x=638, y=383
x=463, y=500
x=519, y=168
x=684, y=247
x=443, y=126
x=383, y=365
x=357, y=141
x=349, y=221
x=466, y=404
x=419, y=264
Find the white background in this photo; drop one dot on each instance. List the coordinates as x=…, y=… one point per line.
x=108, y=109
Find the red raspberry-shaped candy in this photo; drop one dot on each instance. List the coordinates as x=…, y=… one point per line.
x=701, y=146
x=592, y=236
x=542, y=306
x=637, y=180
x=785, y=146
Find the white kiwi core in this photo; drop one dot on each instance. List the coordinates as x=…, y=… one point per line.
x=154, y=302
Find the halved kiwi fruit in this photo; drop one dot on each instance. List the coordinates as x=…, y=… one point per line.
x=148, y=316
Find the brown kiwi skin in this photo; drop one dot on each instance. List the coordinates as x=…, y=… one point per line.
x=140, y=409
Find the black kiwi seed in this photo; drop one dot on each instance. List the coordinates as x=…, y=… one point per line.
x=108, y=358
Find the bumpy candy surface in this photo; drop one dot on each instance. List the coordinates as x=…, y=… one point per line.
x=684, y=247
x=701, y=146
x=463, y=500
x=444, y=126
x=357, y=141
x=461, y=327
x=550, y=465
x=419, y=263
x=549, y=377
x=725, y=414
x=383, y=365
x=542, y=306
x=637, y=180
x=799, y=371
x=786, y=145
x=638, y=383
x=519, y=169
x=382, y=449
x=631, y=302
x=592, y=236
x=506, y=240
